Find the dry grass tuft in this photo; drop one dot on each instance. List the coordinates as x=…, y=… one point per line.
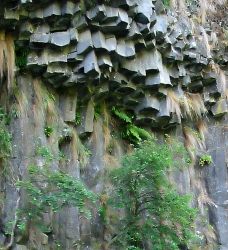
x=45, y=100
x=79, y=151
x=192, y=106
x=22, y=101
x=189, y=105
x=7, y=58
x=204, y=199
x=193, y=142
x=202, y=128
x=174, y=104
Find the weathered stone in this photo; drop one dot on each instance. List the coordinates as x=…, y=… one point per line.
x=85, y=42
x=104, y=61
x=97, y=14
x=160, y=27
x=69, y=8
x=102, y=92
x=125, y=48
x=54, y=56
x=74, y=57
x=60, y=39
x=174, y=55
x=40, y=38
x=145, y=120
x=56, y=73
x=163, y=116
x=214, y=90
x=116, y=79
x=98, y=40
x=68, y=105
x=90, y=64
x=148, y=105
x=26, y=28
x=136, y=56
x=11, y=14
x=52, y=10
x=144, y=11
x=37, y=63
x=134, y=32
x=161, y=78
x=209, y=78
x=220, y=108
x=144, y=28
x=111, y=43
x=73, y=35
x=79, y=22
x=126, y=89
x=71, y=81
x=130, y=101
x=87, y=119
x=140, y=44
x=195, y=86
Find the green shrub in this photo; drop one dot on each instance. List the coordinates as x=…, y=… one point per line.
x=205, y=160
x=51, y=191
x=48, y=131
x=154, y=213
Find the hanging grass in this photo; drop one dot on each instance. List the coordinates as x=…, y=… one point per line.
x=7, y=58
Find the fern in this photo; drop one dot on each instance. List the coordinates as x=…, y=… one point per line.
x=135, y=134
x=130, y=131
x=121, y=115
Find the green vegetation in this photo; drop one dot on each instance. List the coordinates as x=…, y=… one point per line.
x=205, y=160
x=130, y=131
x=166, y=3
x=45, y=153
x=48, y=131
x=50, y=190
x=78, y=118
x=21, y=54
x=97, y=111
x=5, y=137
x=154, y=213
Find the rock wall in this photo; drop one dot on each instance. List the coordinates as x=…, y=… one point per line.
x=137, y=56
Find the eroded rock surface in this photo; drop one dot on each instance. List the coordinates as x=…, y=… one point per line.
x=134, y=55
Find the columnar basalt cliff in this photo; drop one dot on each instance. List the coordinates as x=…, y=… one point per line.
x=65, y=71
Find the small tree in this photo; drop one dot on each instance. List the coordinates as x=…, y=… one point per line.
x=155, y=215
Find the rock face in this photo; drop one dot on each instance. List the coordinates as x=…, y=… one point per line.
x=134, y=55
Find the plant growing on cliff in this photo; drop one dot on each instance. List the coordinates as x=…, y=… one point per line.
x=48, y=130
x=130, y=131
x=5, y=137
x=205, y=160
x=155, y=215
x=21, y=56
x=51, y=191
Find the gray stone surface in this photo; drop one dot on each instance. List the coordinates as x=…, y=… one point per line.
x=131, y=54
